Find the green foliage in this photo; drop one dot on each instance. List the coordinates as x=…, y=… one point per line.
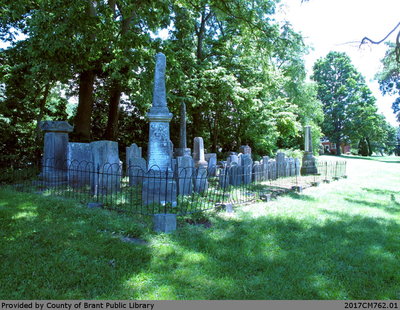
x=389, y=78
x=239, y=72
x=350, y=111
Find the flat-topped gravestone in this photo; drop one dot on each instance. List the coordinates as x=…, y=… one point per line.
x=80, y=167
x=107, y=168
x=55, y=150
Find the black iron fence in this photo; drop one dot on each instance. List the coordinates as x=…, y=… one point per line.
x=180, y=190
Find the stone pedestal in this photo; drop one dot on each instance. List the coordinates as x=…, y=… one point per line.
x=159, y=187
x=308, y=164
x=55, y=166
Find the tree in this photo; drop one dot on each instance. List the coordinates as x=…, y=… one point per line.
x=348, y=104
x=389, y=78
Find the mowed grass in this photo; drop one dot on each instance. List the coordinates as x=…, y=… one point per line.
x=337, y=241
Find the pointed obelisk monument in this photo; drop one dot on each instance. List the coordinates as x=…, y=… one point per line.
x=308, y=163
x=183, y=150
x=159, y=186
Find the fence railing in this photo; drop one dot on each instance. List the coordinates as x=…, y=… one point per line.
x=180, y=191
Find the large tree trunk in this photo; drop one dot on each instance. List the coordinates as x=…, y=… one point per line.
x=84, y=113
x=113, y=112
x=338, y=149
x=369, y=146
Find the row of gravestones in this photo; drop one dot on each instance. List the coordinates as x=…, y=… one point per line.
x=97, y=165
x=102, y=158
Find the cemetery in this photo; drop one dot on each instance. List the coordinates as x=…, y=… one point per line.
x=170, y=181
x=201, y=151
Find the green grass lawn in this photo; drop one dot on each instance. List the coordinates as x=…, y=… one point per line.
x=337, y=241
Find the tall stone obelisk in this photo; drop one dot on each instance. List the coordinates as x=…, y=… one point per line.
x=159, y=117
x=159, y=186
x=308, y=162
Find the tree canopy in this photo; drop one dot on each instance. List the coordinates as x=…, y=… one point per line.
x=351, y=115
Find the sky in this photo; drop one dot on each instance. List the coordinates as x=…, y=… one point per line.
x=328, y=25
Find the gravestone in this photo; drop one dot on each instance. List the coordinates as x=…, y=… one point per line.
x=80, y=167
x=257, y=172
x=200, y=179
x=106, y=178
x=280, y=164
x=183, y=149
x=265, y=167
x=137, y=168
x=159, y=185
x=132, y=151
x=200, y=175
x=234, y=172
x=198, y=152
x=185, y=170
x=272, y=169
x=245, y=149
x=211, y=159
x=297, y=166
x=246, y=167
x=54, y=169
x=308, y=160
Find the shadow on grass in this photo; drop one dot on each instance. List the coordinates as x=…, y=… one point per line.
x=299, y=196
x=56, y=252
x=273, y=258
x=392, y=207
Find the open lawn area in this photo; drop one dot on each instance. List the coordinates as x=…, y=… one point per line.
x=336, y=241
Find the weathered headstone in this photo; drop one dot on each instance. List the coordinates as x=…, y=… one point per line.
x=308, y=161
x=107, y=168
x=265, y=167
x=200, y=179
x=137, y=168
x=272, y=169
x=159, y=185
x=245, y=149
x=198, y=152
x=132, y=151
x=55, y=150
x=247, y=168
x=211, y=159
x=257, y=172
x=183, y=149
x=80, y=167
x=185, y=170
x=297, y=166
x=280, y=164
